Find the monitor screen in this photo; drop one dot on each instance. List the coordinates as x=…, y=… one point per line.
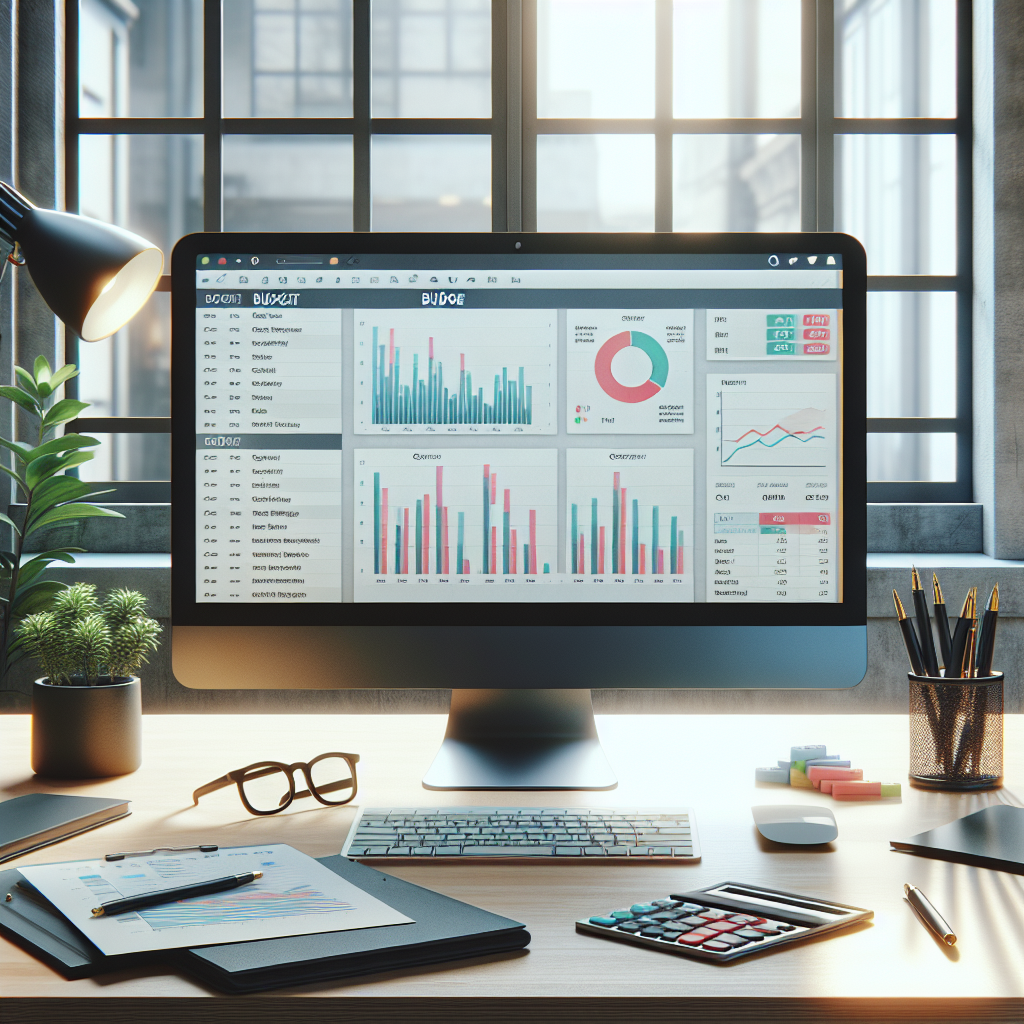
x=562, y=433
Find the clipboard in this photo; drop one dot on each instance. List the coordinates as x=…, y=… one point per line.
x=444, y=929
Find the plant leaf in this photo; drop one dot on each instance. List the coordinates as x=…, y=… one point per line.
x=65, y=373
x=73, y=510
x=26, y=381
x=23, y=451
x=64, y=410
x=21, y=397
x=44, y=389
x=36, y=597
x=55, y=490
x=15, y=476
x=10, y=522
x=31, y=569
x=60, y=444
x=41, y=370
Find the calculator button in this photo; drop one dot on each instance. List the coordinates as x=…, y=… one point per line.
x=692, y=939
x=746, y=919
x=665, y=915
x=714, y=915
x=723, y=926
x=676, y=928
x=751, y=934
x=630, y=926
x=786, y=927
x=621, y=915
x=652, y=931
x=767, y=930
x=643, y=908
x=666, y=904
x=693, y=908
x=733, y=940
x=607, y=922
x=716, y=945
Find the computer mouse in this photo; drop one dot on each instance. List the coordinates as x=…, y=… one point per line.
x=796, y=824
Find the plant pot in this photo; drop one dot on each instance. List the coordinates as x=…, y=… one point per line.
x=86, y=732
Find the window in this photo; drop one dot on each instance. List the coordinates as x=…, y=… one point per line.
x=549, y=115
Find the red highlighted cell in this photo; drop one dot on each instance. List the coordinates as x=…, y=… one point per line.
x=817, y=319
x=817, y=349
x=817, y=334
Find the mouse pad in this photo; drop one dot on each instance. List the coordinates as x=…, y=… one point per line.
x=990, y=838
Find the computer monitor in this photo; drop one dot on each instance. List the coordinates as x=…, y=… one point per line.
x=519, y=466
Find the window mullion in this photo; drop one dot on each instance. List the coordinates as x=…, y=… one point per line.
x=663, y=116
x=213, y=113
x=513, y=115
x=72, y=114
x=361, y=115
x=808, y=116
x=825, y=116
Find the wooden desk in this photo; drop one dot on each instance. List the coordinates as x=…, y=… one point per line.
x=889, y=969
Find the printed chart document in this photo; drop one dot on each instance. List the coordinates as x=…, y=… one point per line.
x=296, y=896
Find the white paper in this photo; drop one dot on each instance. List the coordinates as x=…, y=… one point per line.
x=296, y=896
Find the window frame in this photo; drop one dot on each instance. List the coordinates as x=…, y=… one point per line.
x=514, y=128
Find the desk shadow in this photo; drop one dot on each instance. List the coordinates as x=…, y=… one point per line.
x=770, y=846
x=951, y=953
x=37, y=784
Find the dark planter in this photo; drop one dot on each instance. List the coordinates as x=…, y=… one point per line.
x=86, y=732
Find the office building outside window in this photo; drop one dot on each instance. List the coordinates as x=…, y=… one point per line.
x=546, y=115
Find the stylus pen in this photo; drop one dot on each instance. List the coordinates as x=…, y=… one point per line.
x=961, y=632
x=941, y=620
x=909, y=638
x=987, y=641
x=932, y=917
x=924, y=625
x=183, y=892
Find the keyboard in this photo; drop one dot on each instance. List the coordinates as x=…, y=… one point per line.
x=586, y=833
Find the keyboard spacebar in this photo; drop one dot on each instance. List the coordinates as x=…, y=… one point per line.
x=507, y=851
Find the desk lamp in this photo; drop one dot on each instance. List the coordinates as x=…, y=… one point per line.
x=94, y=276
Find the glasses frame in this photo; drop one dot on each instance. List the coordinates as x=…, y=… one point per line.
x=261, y=768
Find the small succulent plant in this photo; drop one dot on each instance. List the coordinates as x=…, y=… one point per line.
x=79, y=639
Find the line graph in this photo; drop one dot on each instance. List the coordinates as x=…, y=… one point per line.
x=775, y=428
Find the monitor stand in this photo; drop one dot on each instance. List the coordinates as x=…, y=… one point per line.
x=520, y=739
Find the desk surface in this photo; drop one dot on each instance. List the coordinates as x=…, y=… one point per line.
x=708, y=765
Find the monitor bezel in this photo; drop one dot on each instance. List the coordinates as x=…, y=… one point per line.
x=851, y=611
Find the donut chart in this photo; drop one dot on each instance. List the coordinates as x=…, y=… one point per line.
x=642, y=392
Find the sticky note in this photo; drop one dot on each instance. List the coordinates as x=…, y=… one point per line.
x=808, y=751
x=826, y=785
x=829, y=762
x=818, y=772
x=843, y=790
x=786, y=764
x=798, y=778
x=772, y=775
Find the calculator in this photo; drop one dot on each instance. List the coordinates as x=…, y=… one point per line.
x=722, y=922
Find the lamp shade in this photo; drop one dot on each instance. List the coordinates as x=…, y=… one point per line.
x=94, y=276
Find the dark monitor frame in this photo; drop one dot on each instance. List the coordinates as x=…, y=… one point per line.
x=851, y=611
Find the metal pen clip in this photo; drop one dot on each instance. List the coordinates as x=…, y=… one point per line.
x=205, y=848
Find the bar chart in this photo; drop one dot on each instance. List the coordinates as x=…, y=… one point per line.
x=455, y=371
x=630, y=513
x=461, y=516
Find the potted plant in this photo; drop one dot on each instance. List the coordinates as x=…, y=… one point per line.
x=87, y=709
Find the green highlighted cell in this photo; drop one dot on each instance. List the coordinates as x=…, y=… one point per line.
x=781, y=348
x=781, y=320
x=781, y=335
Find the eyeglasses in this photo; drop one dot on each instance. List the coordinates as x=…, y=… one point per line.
x=267, y=787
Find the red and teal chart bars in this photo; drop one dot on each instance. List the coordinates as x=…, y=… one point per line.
x=630, y=522
x=429, y=523
x=466, y=371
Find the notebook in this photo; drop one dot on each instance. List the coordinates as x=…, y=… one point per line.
x=38, y=819
x=990, y=838
x=443, y=929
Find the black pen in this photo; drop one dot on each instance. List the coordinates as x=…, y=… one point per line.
x=924, y=625
x=182, y=892
x=986, y=643
x=961, y=632
x=932, y=917
x=909, y=638
x=941, y=620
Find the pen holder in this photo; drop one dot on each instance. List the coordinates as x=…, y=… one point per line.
x=956, y=732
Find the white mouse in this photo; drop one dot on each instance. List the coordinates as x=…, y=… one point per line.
x=796, y=824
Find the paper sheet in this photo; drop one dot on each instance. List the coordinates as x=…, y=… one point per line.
x=296, y=896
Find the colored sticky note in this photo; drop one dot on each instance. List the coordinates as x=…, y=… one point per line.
x=863, y=790
x=818, y=772
x=772, y=775
x=832, y=761
x=798, y=778
x=808, y=751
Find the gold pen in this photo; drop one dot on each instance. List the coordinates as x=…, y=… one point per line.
x=932, y=917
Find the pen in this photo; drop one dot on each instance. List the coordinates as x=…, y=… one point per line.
x=924, y=625
x=909, y=638
x=968, y=671
x=986, y=643
x=182, y=892
x=961, y=631
x=941, y=620
x=932, y=917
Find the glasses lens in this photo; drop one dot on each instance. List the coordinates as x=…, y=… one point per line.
x=266, y=788
x=334, y=779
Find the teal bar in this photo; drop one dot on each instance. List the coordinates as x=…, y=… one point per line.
x=520, y=391
x=547, y=567
x=458, y=550
x=636, y=537
x=593, y=538
x=419, y=536
x=654, y=540
x=673, y=557
x=398, y=548
x=376, y=523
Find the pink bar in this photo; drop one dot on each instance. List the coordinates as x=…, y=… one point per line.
x=494, y=549
x=462, y=362
x=444, y=537
x=600, y=551
x=643, y=559
x=661, y=561
x=391, y=348
x=384, y=530
x=579, y=558
x=512, y=553
x=622, y=531
x=426, y=536
x=679, y=560
x=508, y=500
x=533, y=542
x=430, y=348
x=465, y=566
x=405, y=543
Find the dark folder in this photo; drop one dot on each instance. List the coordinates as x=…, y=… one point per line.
x=444, y=929
x=990, y=838
x=38, y=819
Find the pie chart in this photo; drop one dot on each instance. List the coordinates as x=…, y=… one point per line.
x=621, y=392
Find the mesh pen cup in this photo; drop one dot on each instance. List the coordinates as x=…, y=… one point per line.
x=956, y=732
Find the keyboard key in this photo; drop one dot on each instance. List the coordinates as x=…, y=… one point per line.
x=615, y=851
x=422, y=851
x=375, y=851
x=594, y=851
x=507, y=851
x=716, y=945
x=399, y=851
x=447, y=851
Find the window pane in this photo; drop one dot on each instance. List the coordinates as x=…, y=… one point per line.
x=129, y=457
x=140, y=61
x=595, y=59
x=431, y=58
x=431, y=182
x=288, y=58
x=911, y=354
x=288, y=183
x=896, y=58
x=927, y=457
x=897, y=194
x=150, y=184
x=736, y=183
x=595, y=183
x=739, y=58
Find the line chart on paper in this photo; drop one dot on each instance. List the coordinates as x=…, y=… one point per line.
x=775, y=428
